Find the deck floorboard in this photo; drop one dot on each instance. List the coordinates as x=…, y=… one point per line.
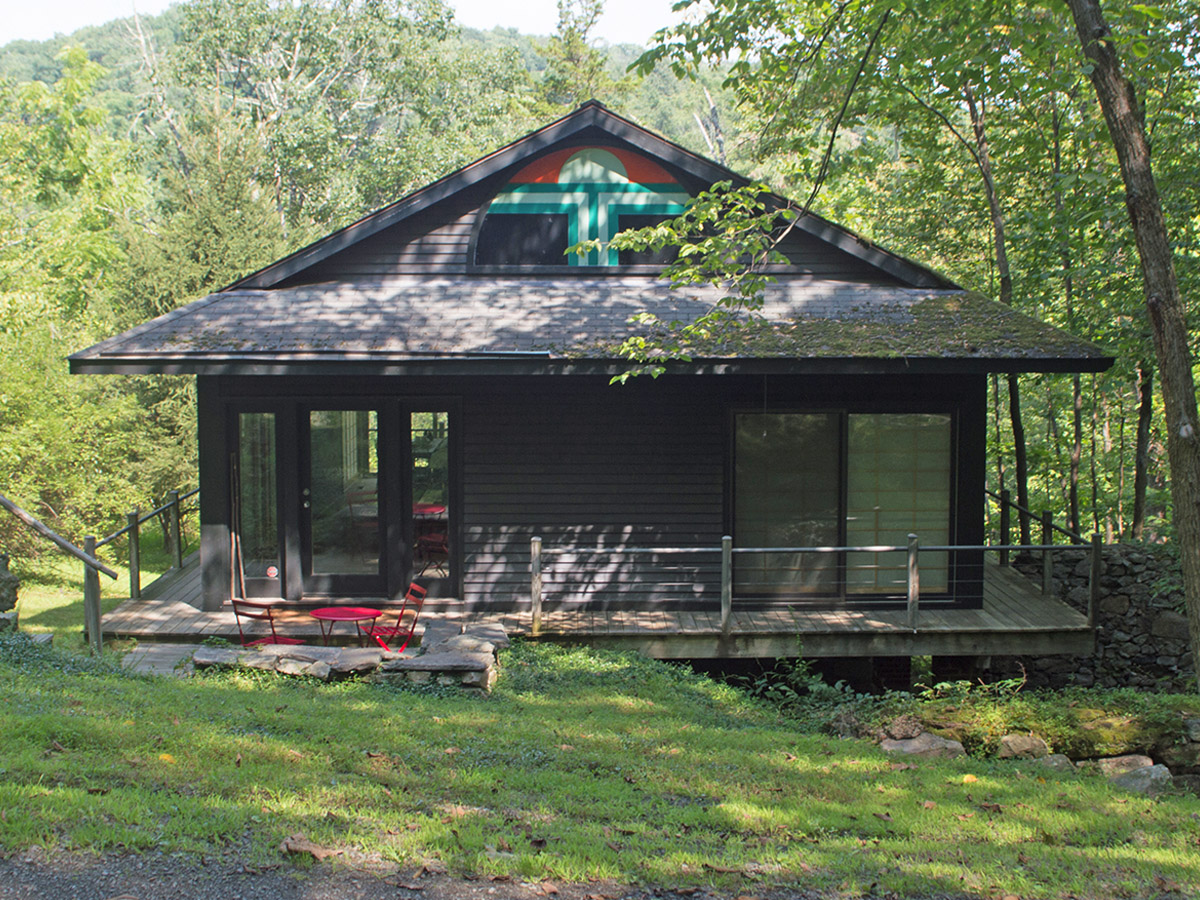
x=1015, y=618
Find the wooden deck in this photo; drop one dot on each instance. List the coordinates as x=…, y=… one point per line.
x=1015, y=620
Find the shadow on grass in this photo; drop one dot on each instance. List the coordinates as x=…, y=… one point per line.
x=581, y=765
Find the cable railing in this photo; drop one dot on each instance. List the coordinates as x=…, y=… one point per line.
x=908, y=586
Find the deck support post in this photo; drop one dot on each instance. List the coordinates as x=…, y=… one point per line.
x=135, y=554
x=726, y=583
x=91, y=600
x=535, y=584
x=1096, y=561
x=914, y=581
x=1005, y=525
x=174, y=534
x=1047, y=556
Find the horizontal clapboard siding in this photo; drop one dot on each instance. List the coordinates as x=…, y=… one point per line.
x=419, y=247
x=596, y=467
x=440, y=246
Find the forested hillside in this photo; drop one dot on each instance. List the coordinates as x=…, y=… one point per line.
x=147, y=162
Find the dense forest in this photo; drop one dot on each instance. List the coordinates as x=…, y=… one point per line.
x=149, y=161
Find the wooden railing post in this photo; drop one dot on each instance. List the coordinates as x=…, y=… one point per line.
x=535, y=584
x=726, y=583
x=135, y=554
x=1047, y=556
x=1094, y=578
x=914, y=581
x=91, y=600
x=1005, y=524
x=175, y=534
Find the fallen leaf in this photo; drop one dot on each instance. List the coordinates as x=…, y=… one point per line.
x=565, y=747
x=433, y=867
x=991, y=807
x=1167, y=886
x=450, y=751
x=548, y=887
x=174, y=720
x=900, y=767
x=537, y=843
x=790, y=757
x=167, y=758
x=929, y=804
x=298, y=843
x=237, y=763
x=56, y=746
x=962, y=817
x=969, y=779
x=885, y=816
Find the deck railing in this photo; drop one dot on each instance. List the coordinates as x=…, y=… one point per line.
x=92, y=567
x=912, y=580
x=174, y=510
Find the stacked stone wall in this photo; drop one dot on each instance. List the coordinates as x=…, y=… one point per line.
x=1141, y=633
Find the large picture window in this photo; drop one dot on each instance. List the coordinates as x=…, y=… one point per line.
x=837, y=479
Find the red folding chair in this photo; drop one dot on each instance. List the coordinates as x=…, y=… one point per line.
x=414, y=599
x=262, y=610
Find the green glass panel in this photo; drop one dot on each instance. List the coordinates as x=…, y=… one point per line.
x=257, y=525
x=430, y=474
x=786, y=495
x=344, y=455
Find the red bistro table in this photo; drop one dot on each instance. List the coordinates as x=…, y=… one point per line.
x=327, y=615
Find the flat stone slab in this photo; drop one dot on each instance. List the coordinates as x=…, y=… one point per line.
x=1146, y=780
x=466, y=642
x=925, y=745
x=438, y=631
x=442, y=662
x=495, y=635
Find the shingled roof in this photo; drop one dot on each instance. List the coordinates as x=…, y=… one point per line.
x=849, y=306
x=574, y=320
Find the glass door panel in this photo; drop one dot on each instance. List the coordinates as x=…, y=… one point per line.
x=898, y=471
x=255, y=513
x=429, y=474
x=786, y=494
x=343, y=493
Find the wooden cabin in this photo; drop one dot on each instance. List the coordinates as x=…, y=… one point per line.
x=421, y=393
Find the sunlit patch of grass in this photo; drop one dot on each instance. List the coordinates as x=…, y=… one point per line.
x=581, y=765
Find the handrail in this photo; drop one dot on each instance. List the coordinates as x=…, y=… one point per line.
x=62, y=543
x=145, y=517
x=1066, y=532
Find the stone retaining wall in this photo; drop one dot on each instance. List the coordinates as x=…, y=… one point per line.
x=1141, y=634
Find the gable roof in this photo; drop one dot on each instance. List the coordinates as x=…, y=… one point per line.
x=590, y=121
x=884, y=313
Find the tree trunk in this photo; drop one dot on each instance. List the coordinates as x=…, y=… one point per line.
x=1163, y=301
x=983, y=159
x=1141, y=453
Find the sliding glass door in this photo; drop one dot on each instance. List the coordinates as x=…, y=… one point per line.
x=838, y=479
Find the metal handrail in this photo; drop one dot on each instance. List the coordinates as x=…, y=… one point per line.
x=1066, y=532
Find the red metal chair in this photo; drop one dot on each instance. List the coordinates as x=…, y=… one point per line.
x=262, y=610
x=414, y=599
x=433, y=550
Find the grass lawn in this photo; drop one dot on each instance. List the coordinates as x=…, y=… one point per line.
x=580, y=766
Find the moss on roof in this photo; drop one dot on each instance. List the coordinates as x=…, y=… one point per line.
x=948, y=326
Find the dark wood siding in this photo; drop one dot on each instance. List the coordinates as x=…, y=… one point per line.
x=588, y=466
x=440, y=244
x=418, y=247
x=591, y=467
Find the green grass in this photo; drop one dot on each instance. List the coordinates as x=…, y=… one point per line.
x=581, y=765
x=51, y=593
